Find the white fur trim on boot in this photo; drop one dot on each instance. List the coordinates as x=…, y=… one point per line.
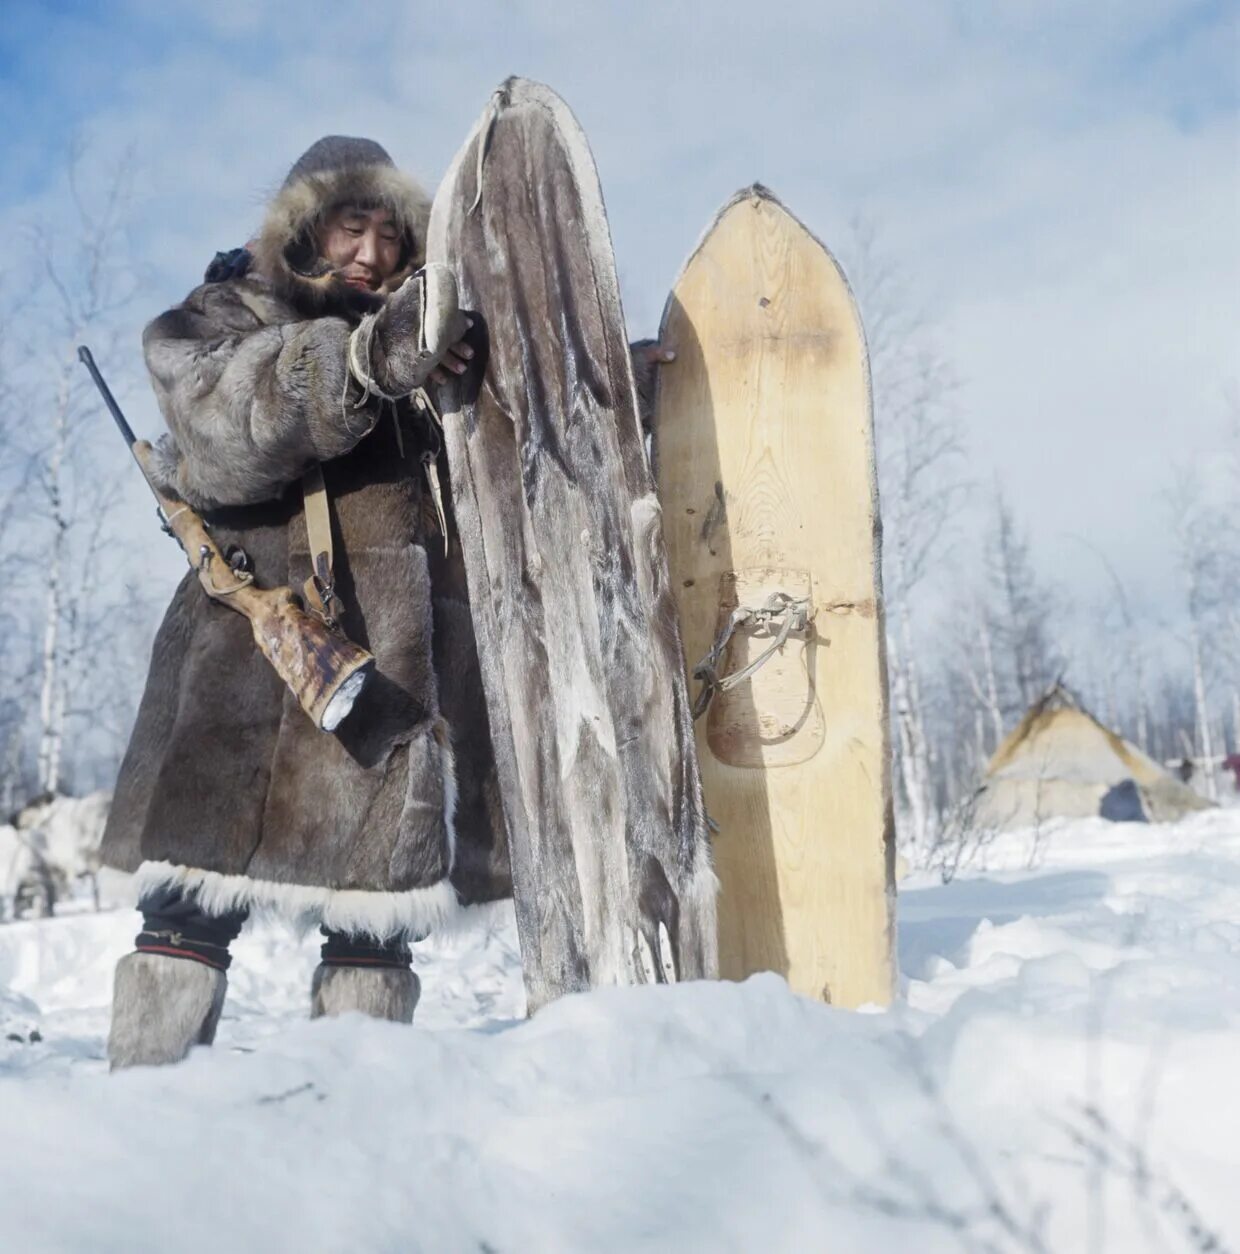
x=161, y=1008
x=380, y=992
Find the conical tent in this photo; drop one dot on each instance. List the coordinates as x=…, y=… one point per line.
x=1061, y=762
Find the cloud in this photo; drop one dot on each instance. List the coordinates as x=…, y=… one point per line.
x=1061, y=180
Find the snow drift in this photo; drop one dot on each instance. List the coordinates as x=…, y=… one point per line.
x=1059, y=1071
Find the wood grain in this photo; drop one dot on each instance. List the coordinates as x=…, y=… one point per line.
x=765, y=465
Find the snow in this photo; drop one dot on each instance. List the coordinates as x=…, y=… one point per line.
x=1057, y=1075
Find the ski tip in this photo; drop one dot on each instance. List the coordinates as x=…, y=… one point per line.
x=752, y=193
x=756, y=191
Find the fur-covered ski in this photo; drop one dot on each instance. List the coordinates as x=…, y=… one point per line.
x=563, y=540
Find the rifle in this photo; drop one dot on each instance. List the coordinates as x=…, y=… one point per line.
x=324, y=670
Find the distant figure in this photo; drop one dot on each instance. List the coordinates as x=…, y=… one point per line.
x=1122, y=803
x=1232, y=763
x=1185, y=770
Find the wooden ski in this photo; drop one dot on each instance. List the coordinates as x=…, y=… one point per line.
x=765, y=464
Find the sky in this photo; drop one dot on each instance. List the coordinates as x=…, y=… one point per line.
x=1059, y=181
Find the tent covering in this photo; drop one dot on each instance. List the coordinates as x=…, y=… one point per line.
x=1061, y=762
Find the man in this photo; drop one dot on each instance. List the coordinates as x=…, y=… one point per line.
x=296, y=358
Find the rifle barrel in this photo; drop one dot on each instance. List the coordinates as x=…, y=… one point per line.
x=87, y=359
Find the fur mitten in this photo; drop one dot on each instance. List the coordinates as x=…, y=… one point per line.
x=392, y=352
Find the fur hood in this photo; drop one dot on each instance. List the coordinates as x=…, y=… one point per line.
x=333, y=172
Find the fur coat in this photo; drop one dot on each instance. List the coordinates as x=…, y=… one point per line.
x=227, y=789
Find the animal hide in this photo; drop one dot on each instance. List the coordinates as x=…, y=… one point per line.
x=227, y=790
x=562, y=534
x=161, y=1008
x=379, y=992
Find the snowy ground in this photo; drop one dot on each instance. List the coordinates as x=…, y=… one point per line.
x=1059, y=1075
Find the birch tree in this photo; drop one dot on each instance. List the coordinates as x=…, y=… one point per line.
x=1196, y=528
x=969, y=717
x=16, y=658
x=977, y=665
x=81, y=284
x=1020, y=608
x=922, y=488
x=1230, y=518
x=1126, y=669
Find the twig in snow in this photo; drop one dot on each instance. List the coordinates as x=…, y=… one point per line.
x=308, y=1087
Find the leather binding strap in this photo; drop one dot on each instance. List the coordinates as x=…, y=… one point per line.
x=320, y=588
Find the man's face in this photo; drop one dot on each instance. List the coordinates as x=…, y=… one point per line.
x=361, y=245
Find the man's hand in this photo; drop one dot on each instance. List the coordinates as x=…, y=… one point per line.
x=648, y=356
x=417, y=332
x=455, y=361
x=649, y=353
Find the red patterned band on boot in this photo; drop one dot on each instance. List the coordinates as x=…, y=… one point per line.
x=175, y=945
x=347, y=951
x=366, y=962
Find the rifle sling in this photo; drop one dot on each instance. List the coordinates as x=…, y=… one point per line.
x=320, y=590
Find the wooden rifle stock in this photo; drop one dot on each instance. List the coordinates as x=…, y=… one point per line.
x=323, y=669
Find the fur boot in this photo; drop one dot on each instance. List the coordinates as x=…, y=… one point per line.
x=161, y=1008
x=380, y=992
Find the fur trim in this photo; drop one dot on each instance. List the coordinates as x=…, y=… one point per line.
x=284, y=249
x=382, y=915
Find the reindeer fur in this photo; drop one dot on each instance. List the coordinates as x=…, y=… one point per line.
x=227, y=788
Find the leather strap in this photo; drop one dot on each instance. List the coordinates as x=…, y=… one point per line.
x=320, y=588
